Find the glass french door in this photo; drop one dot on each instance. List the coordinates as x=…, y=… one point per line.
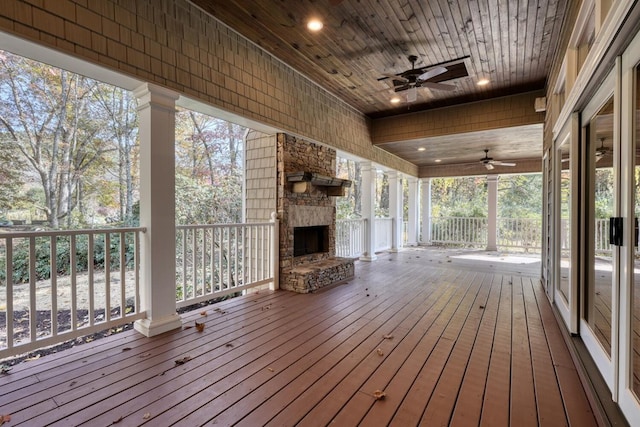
x=609, y=286
x=602, y=226
x=565, y=291
x=628, y=395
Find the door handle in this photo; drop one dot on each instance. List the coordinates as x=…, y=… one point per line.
x=615, y=231
x=635, y=231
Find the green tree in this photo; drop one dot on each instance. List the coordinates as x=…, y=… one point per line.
x=50, y=116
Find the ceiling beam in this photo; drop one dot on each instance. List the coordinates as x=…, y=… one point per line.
x=495, y=113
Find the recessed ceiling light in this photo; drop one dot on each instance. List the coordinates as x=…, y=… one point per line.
x=421, y=149
x=314, y=24
x=483, y=82
x=437, y=160
x=395, y=100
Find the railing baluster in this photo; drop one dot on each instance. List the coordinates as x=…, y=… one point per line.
x=107, y=277
x=33, y=316
x=90, y=290
x=74, y=296
x=53, y=277
x=9, y=276
x=123, y=275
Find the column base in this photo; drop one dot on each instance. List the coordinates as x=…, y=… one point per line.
x=491, y=248
x=151, y=328
x=368, y=258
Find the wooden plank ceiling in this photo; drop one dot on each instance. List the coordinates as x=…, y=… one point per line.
x=510, y=43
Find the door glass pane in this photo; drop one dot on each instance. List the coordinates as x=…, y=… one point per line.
x=565, y=220
x=635, y=290
x=600, y=182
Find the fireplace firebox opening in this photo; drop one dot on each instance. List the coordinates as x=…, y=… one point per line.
x=310, y=240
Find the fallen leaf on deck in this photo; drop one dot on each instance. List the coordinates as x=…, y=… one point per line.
x=146, y=416
x=72, y=383
x=126, y=349
x=228, y=344
x=217, y=309
x=200, y=326
x=32, y=358
x=379, y=395
x=4, y=419
x=183, y=360
x=388, y=337
x=187, y=327
x=4, y=369
x=270, y=369
x=117, y=421
x=144, y=355
x=203, y=313
x=380, y=352
x=482, y=306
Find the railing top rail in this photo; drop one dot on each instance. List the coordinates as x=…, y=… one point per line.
x=237, y=224
x=22, y=234
x=484, y=218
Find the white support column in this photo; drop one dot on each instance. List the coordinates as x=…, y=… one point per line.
x=395, y=208
x=426, y=210
x=492, y=220
x=412, y=217
x=156, y=115
x=368, y=209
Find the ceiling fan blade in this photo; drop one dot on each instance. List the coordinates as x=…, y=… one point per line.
x=436, y=71
x=499, y=163
x=394, y=77
x=402, y=88
x=437, y=86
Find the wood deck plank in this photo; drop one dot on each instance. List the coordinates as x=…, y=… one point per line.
x=548, y=397
x=523, y=411
x=330, y=370
x=360, y=403
x=220, y=362
x=312, y=359
x=468, y=407
x=214, y=389
x=361, y=383
x=73, y=384
x=577, y=408
x=445, y=394
x=412, y=407
x=495, y=405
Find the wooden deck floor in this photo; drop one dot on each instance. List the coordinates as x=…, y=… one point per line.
x=448, y=343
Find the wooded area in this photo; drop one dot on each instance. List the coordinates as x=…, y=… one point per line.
x=69, y=153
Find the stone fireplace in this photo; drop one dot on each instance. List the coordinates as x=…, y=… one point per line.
x=306, y=190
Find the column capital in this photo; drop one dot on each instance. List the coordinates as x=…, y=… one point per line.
x=149, y=93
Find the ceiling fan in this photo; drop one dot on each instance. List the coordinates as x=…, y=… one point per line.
x=417, y=77
x=489, y=163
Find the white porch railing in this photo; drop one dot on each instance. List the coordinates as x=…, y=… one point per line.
x=59, y=285
x=462, y=231
x=350, y=237
x=520, y=233
x=221, y=259
x=384, y=233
